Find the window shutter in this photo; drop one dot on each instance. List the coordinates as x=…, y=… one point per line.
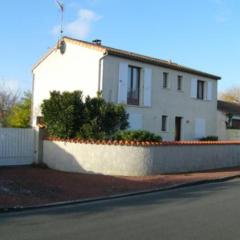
x=135, y=121
x=209, y=90
x=147, y=98
x=200, y=128
x=194, y=88
x=122, y=85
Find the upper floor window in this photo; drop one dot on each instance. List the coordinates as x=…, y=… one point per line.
x=200, y=89
x=165, y=80
x=133, y=85
x=179, y=82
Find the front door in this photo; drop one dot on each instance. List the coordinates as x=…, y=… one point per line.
x=178, y=128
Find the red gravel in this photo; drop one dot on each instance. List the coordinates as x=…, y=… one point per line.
x=26, y=186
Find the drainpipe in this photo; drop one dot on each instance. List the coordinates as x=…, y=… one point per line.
x=100, y=71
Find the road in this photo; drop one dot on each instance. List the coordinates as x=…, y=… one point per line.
x=202, y=212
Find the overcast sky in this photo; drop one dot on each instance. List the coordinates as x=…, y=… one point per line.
x=201, y=34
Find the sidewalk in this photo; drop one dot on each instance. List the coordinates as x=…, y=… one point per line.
x=31, y=186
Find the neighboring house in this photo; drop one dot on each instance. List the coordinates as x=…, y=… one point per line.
x=228, y=120
x=160, y=96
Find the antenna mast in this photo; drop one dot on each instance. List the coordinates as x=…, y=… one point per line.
x=61, y=7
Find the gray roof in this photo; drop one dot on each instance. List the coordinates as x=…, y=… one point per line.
x=133, y=56
x=147, y=59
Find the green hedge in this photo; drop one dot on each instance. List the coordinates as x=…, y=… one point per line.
x=67, y=115
x=63, y=113
x=139, y=135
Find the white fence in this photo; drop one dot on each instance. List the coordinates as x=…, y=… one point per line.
x=16, y=146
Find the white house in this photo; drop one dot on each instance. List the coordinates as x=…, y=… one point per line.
x=160, y=96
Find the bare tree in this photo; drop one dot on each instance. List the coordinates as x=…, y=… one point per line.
x=8, y=98
x=231, y=95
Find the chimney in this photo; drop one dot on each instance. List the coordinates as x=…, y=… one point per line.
x=97, y=42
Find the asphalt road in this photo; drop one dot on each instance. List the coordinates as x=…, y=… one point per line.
x=203, y=212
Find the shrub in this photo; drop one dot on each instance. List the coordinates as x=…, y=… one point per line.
x=63, y=113
x=89, y=131
x=102, y=119
x=67, y=116
x=139, y=135
x=209, y=138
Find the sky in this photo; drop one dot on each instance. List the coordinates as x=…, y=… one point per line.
x=202, y=34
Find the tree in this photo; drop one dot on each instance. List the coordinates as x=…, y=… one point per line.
x=8, y=98
x=20, y=114
x=231, y=95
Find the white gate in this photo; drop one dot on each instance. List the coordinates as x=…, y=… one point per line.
x=16, y=146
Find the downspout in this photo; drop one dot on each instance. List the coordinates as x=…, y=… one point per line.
x=100, y=71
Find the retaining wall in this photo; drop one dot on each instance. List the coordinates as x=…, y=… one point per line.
x=139, y=159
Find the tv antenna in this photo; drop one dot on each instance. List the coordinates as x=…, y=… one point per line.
x=61, y=7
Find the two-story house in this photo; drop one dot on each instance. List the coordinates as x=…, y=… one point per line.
x=172, y=100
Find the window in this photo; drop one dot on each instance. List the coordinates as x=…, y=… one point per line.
x=179, y=83
x=165, y=80
x=164, y=123
x=133, y=85
x=200, y=89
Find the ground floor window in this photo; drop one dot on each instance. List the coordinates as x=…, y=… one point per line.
x=164, y=123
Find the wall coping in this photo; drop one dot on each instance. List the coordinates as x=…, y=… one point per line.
x=143, y=144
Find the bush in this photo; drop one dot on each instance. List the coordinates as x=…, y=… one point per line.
x=67, y=116
x=102, y=119
x=209, y=138
x=89, y=131
x=139, y=135
x=63, y=114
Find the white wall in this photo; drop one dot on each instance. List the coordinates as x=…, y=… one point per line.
x=138, y=160
x=77, y=69
x=221, y=126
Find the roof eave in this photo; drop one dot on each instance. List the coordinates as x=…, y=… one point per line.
x=166, y=65
x=49, y=52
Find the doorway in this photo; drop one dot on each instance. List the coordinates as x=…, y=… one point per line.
x=178, y=128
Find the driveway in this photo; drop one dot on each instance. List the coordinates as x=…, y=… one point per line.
x=209, y=211
x=27, y=186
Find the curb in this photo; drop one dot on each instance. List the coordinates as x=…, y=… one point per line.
x=117, y=196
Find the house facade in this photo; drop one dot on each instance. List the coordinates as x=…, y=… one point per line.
x=172, y=100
